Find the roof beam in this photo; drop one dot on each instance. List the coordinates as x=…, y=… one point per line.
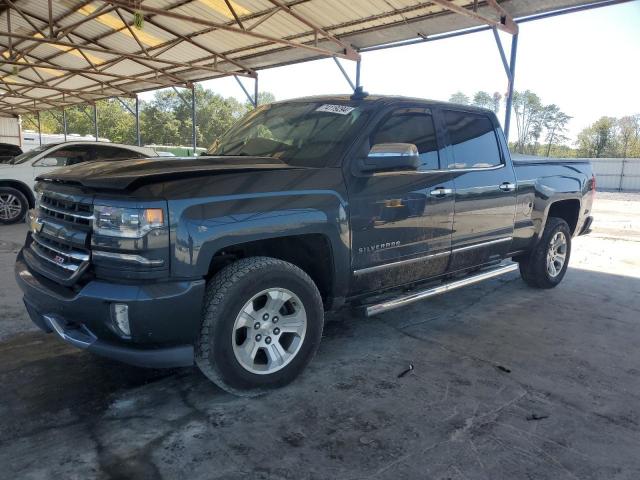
x=78, y=71
x=111, y=52
x=196, y=44
x=235, y=15
x=348, y=54
x=505, y=23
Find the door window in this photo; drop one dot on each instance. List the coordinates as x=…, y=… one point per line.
x=64, y=156
x=473, y=140
x=104, y=152
x=411, y=126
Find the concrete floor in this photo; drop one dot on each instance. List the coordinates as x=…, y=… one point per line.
x=487, y=358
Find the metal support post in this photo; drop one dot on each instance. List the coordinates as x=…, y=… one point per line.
x=512, y=72
x=193, y=117
x=253, y=100
x=138, y=140
x=39, y=129
x=358, y=72
x=64, y=123
x=255, y=93
x=95, y=119
x=344, y=73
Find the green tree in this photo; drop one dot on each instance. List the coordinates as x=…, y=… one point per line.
x=555, y=123
x=263, y=98
x=483, y=99
x=529, y=115
x=497, y=100
x=628, y=132
x=50, y=122
x=459, y=98
x=166, y=119
x=598, y=139
x=115, y=122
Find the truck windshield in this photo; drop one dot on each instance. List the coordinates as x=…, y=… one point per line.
x=302, y=134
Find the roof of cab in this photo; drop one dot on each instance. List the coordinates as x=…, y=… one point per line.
x=384, y=100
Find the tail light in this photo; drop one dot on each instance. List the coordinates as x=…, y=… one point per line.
x=593, y=182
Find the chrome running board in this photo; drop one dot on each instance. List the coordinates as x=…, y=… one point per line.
x=401, y=301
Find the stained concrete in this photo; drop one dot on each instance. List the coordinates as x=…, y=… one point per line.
x=508, y=383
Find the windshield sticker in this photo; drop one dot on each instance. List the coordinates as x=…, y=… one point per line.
x=339, y=109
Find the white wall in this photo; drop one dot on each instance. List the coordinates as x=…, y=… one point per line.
x=620, y=174
x=10, y=130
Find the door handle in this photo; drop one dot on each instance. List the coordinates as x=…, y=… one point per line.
x=507, y=187
x=441, y=192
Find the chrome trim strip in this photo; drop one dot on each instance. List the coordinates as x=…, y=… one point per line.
x=383, y=266
x=36, y=250
x=82, y=339
x=81, y=257
x=64, y=212
x=128, y=257
x=431, y=292
x=483, y=244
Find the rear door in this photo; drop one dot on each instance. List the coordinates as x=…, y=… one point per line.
x=401, y=220
x=485, y=189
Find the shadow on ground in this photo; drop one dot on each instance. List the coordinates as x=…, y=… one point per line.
x=545, y=385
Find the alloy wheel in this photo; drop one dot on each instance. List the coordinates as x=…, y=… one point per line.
x=269, y=331
x=556, y=254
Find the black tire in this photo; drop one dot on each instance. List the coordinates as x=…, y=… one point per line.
x=11, y=194
x=533, y=267
x=226, y=295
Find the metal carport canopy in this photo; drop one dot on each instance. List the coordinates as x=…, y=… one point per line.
x=56, y=53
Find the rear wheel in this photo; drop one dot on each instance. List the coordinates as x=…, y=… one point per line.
x=262, y=324
x=547, y=264
x=13, y=205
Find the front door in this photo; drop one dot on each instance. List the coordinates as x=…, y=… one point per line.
x=485, y=189
x=401, y=220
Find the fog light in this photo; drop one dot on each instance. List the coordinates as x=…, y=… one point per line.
x=120, y=315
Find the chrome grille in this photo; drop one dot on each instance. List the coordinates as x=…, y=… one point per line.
x=66, y=210
x=60, y=237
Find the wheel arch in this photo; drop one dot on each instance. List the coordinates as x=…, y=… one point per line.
x=566, y=209
x=311, y=252
x=22, y=188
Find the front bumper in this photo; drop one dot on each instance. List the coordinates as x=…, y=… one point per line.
x=164, y=318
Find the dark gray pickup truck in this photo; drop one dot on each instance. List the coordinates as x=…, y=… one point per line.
x=230, y=260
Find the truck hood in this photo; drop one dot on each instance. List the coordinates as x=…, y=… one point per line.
x=131, y=174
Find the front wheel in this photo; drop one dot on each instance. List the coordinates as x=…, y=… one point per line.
x=547, y=263
x=13, y=205
x=262, y=324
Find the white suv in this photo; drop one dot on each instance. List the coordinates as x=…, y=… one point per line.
x=17, y=176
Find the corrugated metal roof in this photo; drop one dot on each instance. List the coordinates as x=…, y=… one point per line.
x=85, y=50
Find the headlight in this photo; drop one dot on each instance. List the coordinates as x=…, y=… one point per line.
x=126, y=222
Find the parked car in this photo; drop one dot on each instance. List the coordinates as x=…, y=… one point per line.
x=230, y=261
x=8, y=151
x=17, y=176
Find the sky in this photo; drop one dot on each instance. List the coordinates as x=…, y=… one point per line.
x=588, y=63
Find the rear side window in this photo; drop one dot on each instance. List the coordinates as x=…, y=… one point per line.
x=411, y=126
x=473, y=140
x=102, y=152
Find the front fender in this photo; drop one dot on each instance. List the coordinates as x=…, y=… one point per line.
x=213, y=224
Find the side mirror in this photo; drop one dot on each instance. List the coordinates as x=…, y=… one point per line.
x=47, y=162
x=391, y=156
